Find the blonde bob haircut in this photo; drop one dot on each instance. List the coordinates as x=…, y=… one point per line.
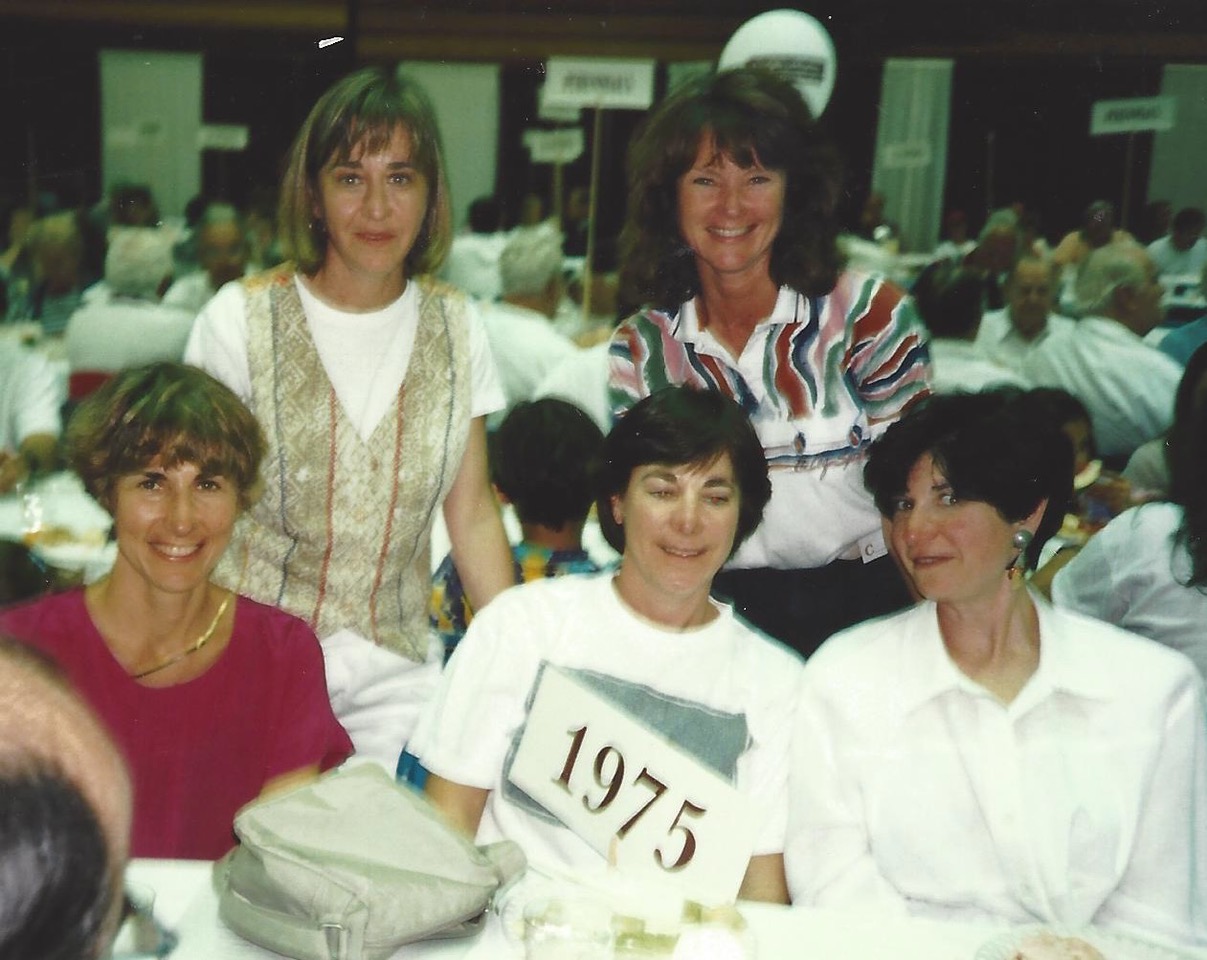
x=168, y=412
x=361, y=112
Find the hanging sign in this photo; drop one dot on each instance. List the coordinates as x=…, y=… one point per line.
x=1134, y=115
x=598, y=82
x=554, y=146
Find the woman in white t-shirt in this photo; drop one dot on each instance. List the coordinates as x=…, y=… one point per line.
x=372, y=390
x=681, y=482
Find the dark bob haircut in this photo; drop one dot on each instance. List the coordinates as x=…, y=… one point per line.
x=170, y=411
x=675, y=426
x=540, y=459
x=751, y=116
x=363, y=110
x=992, y=447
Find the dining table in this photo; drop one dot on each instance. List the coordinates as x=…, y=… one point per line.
x=186, y=902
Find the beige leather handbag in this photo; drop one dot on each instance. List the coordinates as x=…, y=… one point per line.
x=351, y=867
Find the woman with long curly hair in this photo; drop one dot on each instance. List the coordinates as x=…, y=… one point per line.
x=731, y=244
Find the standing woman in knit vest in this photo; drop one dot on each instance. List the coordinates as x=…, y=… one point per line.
x=372, y=381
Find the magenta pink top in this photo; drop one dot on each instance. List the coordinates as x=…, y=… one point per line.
x=199, y=750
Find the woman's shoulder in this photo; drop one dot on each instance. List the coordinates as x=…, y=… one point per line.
x=271, y=627
x=47, y=613
x=1120, y=658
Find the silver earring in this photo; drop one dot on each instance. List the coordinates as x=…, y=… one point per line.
x=1021, y=539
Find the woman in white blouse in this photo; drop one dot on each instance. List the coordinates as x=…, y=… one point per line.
x=1146, y=571
x=984, y=756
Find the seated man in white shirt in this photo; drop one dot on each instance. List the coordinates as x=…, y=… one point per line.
x=1182, y=252
x=1127, y=386
x=950, y=298
x=31, y=396
x=127, y=325
x=222, y=254
x=473, y=259
x=1007, y=335
x=523, y=342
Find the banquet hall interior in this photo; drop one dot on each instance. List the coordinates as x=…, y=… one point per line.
x=953, y=120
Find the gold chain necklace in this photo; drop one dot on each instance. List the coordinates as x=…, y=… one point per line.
x=197, y=644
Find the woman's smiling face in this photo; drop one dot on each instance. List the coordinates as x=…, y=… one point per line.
x=679, y=525
x=728, y=215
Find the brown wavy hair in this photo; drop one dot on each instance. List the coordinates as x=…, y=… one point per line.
x=170, y=411
x=364, y=109
x=753, y=116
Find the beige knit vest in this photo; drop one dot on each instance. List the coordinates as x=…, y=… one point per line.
x=340, y=536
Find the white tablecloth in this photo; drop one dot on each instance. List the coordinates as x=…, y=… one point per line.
x=186, y=902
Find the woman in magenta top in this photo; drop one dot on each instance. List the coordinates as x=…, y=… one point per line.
x=215, y=699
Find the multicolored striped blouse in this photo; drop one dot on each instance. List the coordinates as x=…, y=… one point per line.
x=821, y=377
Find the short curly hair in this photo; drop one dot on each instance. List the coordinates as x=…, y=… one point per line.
x=170, y=411
x=682, y=425
x=752, y=116
x=363, y=110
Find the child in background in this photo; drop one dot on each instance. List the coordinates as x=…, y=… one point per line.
x=539, y=458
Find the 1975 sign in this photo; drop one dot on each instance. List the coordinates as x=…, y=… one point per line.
x=632, y=795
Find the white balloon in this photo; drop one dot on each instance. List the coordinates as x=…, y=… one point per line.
x=792, y=44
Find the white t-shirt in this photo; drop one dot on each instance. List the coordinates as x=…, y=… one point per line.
x=1170, y=261
x=525, y=348
x=723, y=693
x=997, y=339
x=916, y=791
x=31, y=394
x=1127, y=386
x=1133, y=574
x=365, y=354
x=958, y=366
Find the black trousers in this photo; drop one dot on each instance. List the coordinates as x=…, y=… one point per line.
x=801, y=608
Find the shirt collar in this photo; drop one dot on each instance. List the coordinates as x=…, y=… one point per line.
x=928, y=671
x=785, y=311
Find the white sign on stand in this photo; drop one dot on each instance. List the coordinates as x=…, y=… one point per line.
x=649, y=808
x=1134, y=115
x=598, y=82
x=554, y=146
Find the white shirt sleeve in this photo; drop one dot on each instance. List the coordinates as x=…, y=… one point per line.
x=1161, y=891
x=486, y=391
x=218, y=341
x=40, y=394
x=827, y=853
x=1086, y=583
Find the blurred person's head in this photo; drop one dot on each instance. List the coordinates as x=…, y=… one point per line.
x=751, y=118
x=950, y=300
x=1070, y=414
x=1120, y=282
x=139, y=263
x=1098, y=225
x=56, y=247
x=485, y=215
x=998, y=242
x=540, y=460
x=132, y=205
x=362, y=114
x=65, y=812
x=1187, y=228
x=1030, y=292
x=530, y=268
x=222, y=248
